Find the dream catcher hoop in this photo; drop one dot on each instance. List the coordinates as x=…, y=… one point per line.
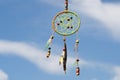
x=65, y=23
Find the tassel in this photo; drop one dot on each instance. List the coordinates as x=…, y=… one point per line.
x=49, y=52
x=49, y=41
x=76, y=45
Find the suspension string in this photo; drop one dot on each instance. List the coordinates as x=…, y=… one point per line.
x=53, y=32
x=64, y=38
x=77, y=56
x=66, y=4
x=77, y=42
x=77, y=35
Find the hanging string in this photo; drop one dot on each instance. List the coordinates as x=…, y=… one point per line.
x=76, y=46
x=66, y=4
x=49, y=44
x=77, y=36
x=77, y=55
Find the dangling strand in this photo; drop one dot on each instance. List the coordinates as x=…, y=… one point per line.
x=66, y=5
x=76, y=46
x=77, y=68
x=63, y=57
x=48, y=45
x=77, y=56
x=49, y=52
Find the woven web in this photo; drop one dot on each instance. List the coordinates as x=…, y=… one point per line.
x=66, y=23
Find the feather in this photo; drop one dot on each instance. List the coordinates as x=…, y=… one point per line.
x=61, y=60
x=65, y=57
x=49, y=42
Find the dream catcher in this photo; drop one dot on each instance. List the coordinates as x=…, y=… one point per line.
x=65, y=24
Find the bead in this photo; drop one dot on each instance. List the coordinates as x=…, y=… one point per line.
x=60, y=21
x=66, y=2
x=71, y=27
x=68, y=19
x=49, y=48
x=77, y=60
x=68, y=27
x=71, y=17
x=48, y=54
x=77, y=41
x=64, y=39
x=52, y=37
x=58, y=24
x=77, y=71
x=66, y=6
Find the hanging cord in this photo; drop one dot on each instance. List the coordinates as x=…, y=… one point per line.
x=66, y=4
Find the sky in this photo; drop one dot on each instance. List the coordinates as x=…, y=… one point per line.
x=25, y=27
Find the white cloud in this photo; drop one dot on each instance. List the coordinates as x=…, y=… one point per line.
x=34, y=55
x=37, y=57
x=117, y=73
x=3, y=75
x=107, y=13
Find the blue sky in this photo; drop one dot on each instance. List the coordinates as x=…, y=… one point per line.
x=25, y=26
